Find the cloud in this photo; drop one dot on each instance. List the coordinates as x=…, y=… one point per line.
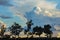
x=45, y=16
x=27, y=5
x=55, y=13
x=5, y=3
x=47, y=5
x=51, y=12
x=57, y=27
x=5, y=17
x=21, y=6
x=37, y=10
x=58, y=35
x=17, y=13
x=45, y=12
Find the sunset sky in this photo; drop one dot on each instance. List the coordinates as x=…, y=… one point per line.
x=40, y=11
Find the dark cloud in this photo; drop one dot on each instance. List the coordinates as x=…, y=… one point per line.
x=5, y=17
x=5, y=3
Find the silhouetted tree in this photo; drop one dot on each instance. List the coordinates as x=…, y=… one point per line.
x=15, y=29
x=47, y=30
x=37, y=30
x=29, y=24
x=27, y=32
x=2, y=30
x=6, y=36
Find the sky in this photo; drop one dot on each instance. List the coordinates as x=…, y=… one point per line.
x=20, y=11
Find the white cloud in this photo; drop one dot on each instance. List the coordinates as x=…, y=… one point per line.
x=17, y=13
x=38, y=10
x=23, y=6
x=52, y=13
x=27, y=4
x=58, y=35
x=57, y=27
x=47, y=13
x=43, y=7
x=46, y=5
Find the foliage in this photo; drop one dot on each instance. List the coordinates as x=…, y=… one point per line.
x=37, y=30
x=15, y=29
x=47, y=30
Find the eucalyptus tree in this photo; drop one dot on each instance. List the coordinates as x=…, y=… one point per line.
x=38, y=30
x=16, y=29
x=27, y=31
x=3, y=29
x=48, y=31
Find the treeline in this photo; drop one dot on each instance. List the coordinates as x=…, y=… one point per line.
x=15, y=29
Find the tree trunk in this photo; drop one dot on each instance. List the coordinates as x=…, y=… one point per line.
x=32, y=35
x=47, y=35
x=18, y=36
x=27, y=35
x=39, y=36
x=50, y=35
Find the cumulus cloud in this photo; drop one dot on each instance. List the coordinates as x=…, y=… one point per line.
x=45, y=11
x=37, y=10
x=27, y=5
x=48, y=12
x=21, y=6
x=47, y=5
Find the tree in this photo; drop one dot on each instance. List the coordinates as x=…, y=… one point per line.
x=2, y=30
x=27, y=32
x=37, y=30
x=15, y=29
x=29, y=24
x=47, y=30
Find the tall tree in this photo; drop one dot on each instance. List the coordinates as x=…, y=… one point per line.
x=2, y=30
x=37, y=30
x=27, y=31
x=29, y=24
x=47, y=30
x=15, y=29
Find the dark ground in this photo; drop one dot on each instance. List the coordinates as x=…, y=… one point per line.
x=30, y=38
